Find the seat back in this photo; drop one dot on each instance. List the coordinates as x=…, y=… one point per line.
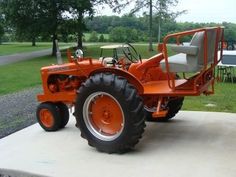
x=211, y=45
x=198, y=40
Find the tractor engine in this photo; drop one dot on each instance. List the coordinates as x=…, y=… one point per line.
x=60, y=83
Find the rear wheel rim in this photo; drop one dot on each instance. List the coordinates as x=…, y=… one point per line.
x=46, y=118
x=103, y=116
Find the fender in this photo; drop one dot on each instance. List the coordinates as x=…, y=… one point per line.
x=153, y=61
x=131, y=79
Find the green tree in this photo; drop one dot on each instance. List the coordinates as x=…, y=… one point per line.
x=53, y=17
x=77, y=10
x=24, y=16
x=1, y=33
x=230, y=31
x=117, y=34
x=34, y=17
x=131, y=35
x=93, y=37
x=101, y=24
x=1, y=26
x=160, y=8
x=124, y=34
x=101, y=38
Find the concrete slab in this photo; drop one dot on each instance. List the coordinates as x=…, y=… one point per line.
x=196, y=144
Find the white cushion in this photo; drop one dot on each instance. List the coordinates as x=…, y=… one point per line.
x=178, y=63
x=191, y=50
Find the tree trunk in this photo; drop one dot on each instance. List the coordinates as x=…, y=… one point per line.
x=159, y=31
x=33, y=42
x=159, y=21
x=150, y=27
x=80, y=41
x=54, y=47
x=80, y=31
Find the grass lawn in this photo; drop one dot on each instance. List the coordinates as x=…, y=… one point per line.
x=222, y=101
x=20, y=47
x=25, y=74
x=21, y=75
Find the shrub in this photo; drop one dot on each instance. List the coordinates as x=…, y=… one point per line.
x=93, y=37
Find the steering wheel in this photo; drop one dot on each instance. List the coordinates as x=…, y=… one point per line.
x=131, y=53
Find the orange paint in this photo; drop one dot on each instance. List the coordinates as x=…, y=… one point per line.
x=46, y=118
x=106, y=115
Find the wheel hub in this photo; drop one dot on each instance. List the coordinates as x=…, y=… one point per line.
x=106, y=119
x=103, y=116
x=46, y=117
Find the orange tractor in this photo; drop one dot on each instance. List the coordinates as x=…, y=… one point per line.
x=112, y=100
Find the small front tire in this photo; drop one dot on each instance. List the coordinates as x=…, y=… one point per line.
x=64, y=114
x=48, y=116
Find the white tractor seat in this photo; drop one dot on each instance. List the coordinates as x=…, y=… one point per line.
x=190, y=58
x=178, y=63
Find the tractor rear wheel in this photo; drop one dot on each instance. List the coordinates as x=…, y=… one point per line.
x=173, y=107
x=64, y=113
x=109, y=113
x=48, y=116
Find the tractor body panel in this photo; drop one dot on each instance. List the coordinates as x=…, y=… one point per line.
x=60, y=82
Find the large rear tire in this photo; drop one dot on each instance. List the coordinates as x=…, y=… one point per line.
x=110, y=113
x=173, y=107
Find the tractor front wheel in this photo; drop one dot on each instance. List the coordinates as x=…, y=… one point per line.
x=64, y=113
x=109, y=113
x=48, y=116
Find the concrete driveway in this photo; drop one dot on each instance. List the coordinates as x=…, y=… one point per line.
x=193, y=144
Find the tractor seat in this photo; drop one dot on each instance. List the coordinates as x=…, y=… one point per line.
x=190, y=58
x=179, y=63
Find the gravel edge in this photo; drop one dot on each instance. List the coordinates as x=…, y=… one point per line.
x=18, y=110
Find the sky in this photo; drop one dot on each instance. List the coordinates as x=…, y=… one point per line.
x=197, y=11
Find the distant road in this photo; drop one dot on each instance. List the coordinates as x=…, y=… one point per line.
x=7, y=59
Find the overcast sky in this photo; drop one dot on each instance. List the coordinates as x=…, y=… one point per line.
x=197, y=10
